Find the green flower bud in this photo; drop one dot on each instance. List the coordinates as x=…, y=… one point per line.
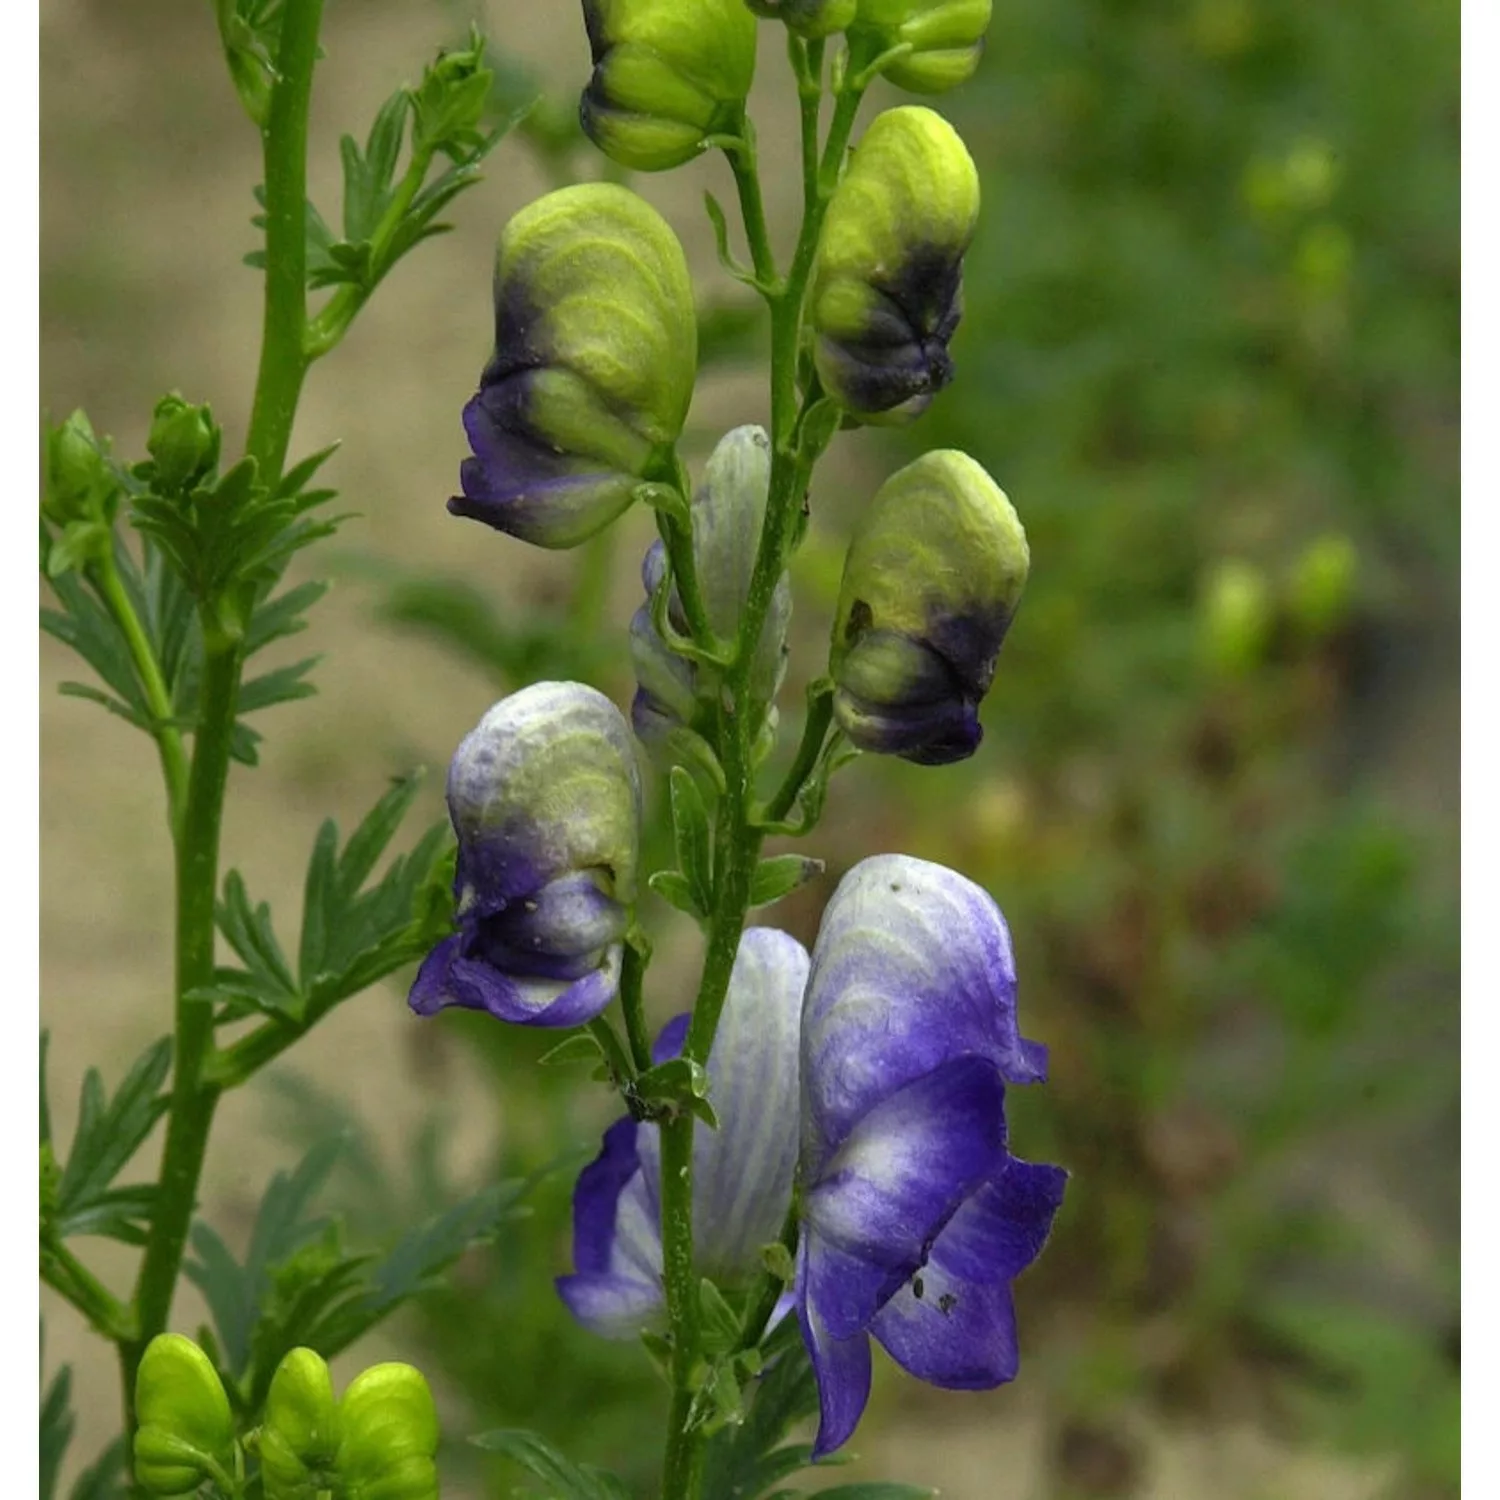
x=667, y=73
x=184, y=442
x=808, y=18
x=946, y=38
x=596, y=349
x=299, y=1436
x=80, y=484
x=185, y=1434
x=886, y=294
x=931, y=583
x=1322, y=584
x=389, y=1436
x=1237, y=617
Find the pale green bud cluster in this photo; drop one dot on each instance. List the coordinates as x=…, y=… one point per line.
x=667, y=75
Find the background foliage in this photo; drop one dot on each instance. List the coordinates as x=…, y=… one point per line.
x=1210, y=350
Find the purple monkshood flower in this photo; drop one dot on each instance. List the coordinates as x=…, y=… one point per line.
x=742, y=1172
x=545, y=798
x=916, y=1218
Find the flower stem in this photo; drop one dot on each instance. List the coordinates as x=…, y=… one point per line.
x=283, y=364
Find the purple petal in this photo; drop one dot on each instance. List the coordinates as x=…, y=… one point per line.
x=614, y=1307
x=597, y=1195
x=953, y=1324
x=450, y=975
x=669, y=1040
x=896, y=1181
x=912, y=968
x=842, y=1368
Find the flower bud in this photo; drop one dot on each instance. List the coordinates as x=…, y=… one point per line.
x=596, y=348
x=185, y=1434
x=886, y=294
x=808, y=18
x=299, y=1436
x=931, y=582
x=728, y=513
x=545, y=799
x=1322, y=584
x=667, y=73
x=183, y=442
x=946, y=38
x=389, y=1436
x=80, y=484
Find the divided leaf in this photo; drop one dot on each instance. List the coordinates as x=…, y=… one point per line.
x=561, y=1478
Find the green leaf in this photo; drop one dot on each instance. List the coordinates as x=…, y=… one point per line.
x=720, y=1325
x=781, y=875
x=676, y=1085
x=281, y=686
x=105, y=1478
x=57, y=1423
x=106, y=1138
x=674, y=889
x=580, y=1047
x=691, y=836
x=746, y=1460
x=561, y=1477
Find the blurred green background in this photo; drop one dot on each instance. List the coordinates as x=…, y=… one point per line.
x=1210, y=351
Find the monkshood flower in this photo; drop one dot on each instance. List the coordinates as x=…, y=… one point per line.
x=742, y=1172
x=946, y=38
x=931, y=582
x=808, y=18
x=667, y=74
x=887, y=280
x=916, y=1218
x=545, y=798
x=596, y=349
x=728, y=512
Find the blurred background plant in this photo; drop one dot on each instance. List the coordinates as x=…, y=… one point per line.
x=1210, y=350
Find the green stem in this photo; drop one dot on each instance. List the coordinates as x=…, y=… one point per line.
x=742, y=162
x=283, y=357
x=771, y=1287
x=174, y=765
x=814, y=732
x=616, y=1059
x=682, y=1469
x=68, y=1276
x=632, y=1000
x=283, y=364
x=807, y=64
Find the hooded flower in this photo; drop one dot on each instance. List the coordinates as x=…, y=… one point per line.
x=886, y=294
x=915, y=1216
x=667, y=74
x=946, y=38
x=742, y=1172
x=931, y=581
x=596, y=349
x=727, y=513
x=545, y=799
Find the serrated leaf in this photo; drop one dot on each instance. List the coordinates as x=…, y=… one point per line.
x=106, y=1138
x=281, y=686
x=673, y=888
x=564, y=1480
x=281, y=616
x=781, y=875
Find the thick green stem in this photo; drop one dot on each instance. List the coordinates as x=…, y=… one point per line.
x=682, y=1468
x=174, y=765
x=193, y=1100
x=283, y=357
x=283, y=364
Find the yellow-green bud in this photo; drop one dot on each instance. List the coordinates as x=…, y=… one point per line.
x=667, y=73
x=808, y=18
x=185, y=1433
x=80, y=485
x=931, y=582
x=596, y=350
x=886, y=294
x=299, y=1435
x=1237, y=617
x=389, y=1436
x=946, y=38
x=1322, y=584
x=184, y=443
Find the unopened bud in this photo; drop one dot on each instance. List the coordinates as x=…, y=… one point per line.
x=299, y=1436
x=946, y=38
x=389, y=1436
x=185, y=1434
x=184, y=443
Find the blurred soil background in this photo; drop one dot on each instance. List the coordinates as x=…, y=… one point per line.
x=1211, y=352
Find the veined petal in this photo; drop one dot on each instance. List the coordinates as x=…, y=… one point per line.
x=912, y=968
x=953, y=1324
x=895, y=1182
x=452, y=975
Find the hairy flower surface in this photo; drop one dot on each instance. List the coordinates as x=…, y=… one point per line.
x=915, y=1216
x=667, y=74
x=545, y=798
x=931, y=582
x=596, y=348
x=886, y=293
x=742, y=1172
x=946, y=38
x=728, y=512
